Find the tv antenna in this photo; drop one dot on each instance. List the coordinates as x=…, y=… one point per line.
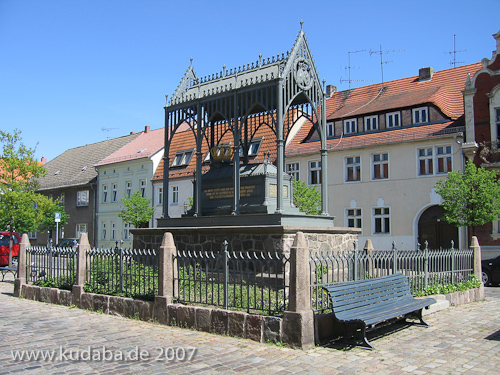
x=349, y=67
x=454, y=62
x=107, y=130
x=382, y=62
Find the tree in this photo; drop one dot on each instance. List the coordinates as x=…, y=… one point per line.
x=306, y=198
x=18, y=173
x=470, y=198
x=137, y=210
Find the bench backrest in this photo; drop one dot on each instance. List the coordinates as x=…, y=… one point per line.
x=358, y=294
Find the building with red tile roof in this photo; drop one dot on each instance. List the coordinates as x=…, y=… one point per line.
x=120, y=174
x=388, y=144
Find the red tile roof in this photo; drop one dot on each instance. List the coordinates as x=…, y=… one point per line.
x=404, y=134
x=145, y=145
x=444, y=90
x=185, y=140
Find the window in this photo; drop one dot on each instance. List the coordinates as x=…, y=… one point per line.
x=103, y=230
x=380, y=166
x=104, y=193
x=293, y=170
x=32, y=235
x=382, y=220
x=253, y=150
x=330, y=129
x=444, y=159
x=425, y=162
x=353, y=168
x=182, y=158
x=159, y=193
x=350, y=126
x=113, y=231
x=314, y=172
x=126, y=231
x=61, y=199
x=114, y=192
x=143, y=188
x=353, y=217
x=175, y=194
x=497, y=121
x=371, y=123
x=393, y=119
x=420, y=115
x=128, y=189
x=82, y=198
x=81, y=228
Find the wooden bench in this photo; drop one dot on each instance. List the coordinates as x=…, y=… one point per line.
x=6, y=270
x=361, y=305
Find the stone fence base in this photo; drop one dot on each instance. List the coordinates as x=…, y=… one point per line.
x=264, y=329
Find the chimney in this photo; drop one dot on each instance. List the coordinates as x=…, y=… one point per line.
x=425, y=74
x=44, y=160
x=147, y=128
x=330, y=90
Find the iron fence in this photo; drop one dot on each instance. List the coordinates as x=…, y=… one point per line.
x=125, y=272
x=423, y=267
x=51, y=265
x=253, y=281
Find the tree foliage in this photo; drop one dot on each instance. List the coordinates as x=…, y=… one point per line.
x=470, y=198
x=306, y=198
x=20, y=207
x=137, y=210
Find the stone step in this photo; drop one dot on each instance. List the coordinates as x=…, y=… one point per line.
x=441, y=304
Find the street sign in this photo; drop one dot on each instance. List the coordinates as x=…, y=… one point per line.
x=57, y=217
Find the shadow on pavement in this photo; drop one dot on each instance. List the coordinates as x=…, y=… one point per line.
x=495, y=336
x=372, y=336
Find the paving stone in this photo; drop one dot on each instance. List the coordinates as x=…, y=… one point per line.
x=461, y=340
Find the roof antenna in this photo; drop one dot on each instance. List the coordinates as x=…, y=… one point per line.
x=349, y=67
x=382, y=62
x=454, y=52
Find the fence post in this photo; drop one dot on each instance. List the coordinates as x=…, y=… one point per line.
x=166, y=268
x=121, y=264
x=426, y=265
x=226, y=275
x=81, y=268
x=21, y=265
x=355, y=257
x=394, y=258
x=298, y=321
x=368, y=249
x=476, y=258
x=453, y=276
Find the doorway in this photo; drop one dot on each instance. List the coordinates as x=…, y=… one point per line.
x=435, y=231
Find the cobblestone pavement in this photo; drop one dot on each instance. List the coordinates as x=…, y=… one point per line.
x=461, y=340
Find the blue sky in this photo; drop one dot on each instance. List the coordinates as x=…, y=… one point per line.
x=69, y=69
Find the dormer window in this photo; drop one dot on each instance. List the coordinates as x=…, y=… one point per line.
x=420, y=115
x=330, y=129
x=253, y=149
x=393, y=119
x=182, y=158
x=371, y=123
x=350, y=126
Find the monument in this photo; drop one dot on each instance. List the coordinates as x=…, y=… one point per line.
x=245, y=202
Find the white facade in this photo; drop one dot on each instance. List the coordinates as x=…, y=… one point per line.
x=384, y=188
x=117, y=181
x=181, y=189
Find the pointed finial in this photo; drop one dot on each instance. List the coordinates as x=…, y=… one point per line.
x=191, y=61
x=301, y=24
